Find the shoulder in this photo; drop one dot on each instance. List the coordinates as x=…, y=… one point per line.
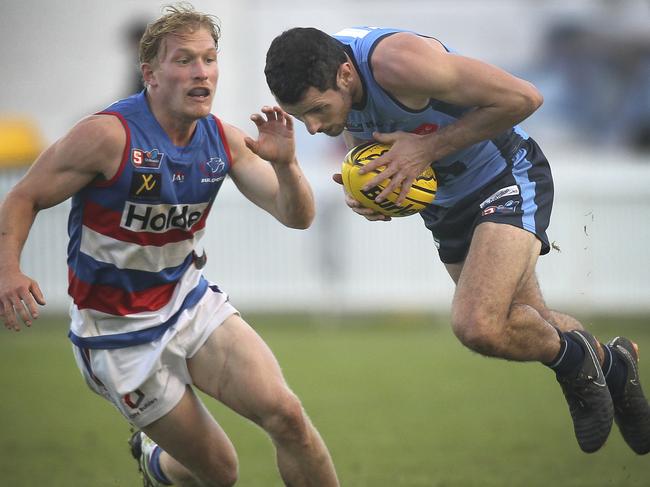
x=102, y=129
x=398, y=56
x=235, y=140
x=97, y=142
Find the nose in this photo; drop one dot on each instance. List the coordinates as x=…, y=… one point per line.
x=200, y=70
x=312, y=126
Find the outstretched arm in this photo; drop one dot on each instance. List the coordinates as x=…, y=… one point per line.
x=92, y=148
x=416, y=69
x=279, y=185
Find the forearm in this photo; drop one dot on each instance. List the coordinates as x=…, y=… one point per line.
x=294, y=201
x=483, y=123
x=17, y=215
x=476, y=126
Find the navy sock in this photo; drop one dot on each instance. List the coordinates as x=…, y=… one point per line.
x=155, y=469
x=570, y=356
x=615, y=371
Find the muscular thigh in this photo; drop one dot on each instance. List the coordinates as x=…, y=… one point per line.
x=497, y=270
x=236, y=367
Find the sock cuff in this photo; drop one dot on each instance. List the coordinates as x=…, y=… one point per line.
x=560, y=355
x=155, y=468
x=609, y=360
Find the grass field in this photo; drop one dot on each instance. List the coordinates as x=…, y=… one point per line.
x=398, y=400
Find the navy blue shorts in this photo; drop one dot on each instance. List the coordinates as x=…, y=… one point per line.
x=522, y=195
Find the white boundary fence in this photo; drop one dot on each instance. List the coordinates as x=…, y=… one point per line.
x=601, y=224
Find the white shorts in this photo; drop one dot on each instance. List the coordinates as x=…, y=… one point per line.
x=145, y=382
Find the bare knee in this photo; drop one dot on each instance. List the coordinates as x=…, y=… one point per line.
x=221, y=470
x=286, y=420
x=224, y=474
x=477, y=330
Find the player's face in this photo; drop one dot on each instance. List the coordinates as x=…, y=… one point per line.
x=186, y=77
x=322, y=111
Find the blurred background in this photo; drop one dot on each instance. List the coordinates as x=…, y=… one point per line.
x=591, y=60
x=356, y=312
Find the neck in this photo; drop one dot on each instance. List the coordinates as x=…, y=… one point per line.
x=178, y=129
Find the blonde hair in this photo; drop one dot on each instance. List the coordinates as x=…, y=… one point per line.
x=177, y=19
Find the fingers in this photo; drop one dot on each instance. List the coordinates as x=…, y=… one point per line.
x=359, y=209
x=24, y=307
x=380, y=164
x=405, y=188
x=21, y=305
x=272, y=114
x=8, y=316
x=288, y=120
x=251, y=144
x=371, y=215
x=37, y=293
x=388, y=138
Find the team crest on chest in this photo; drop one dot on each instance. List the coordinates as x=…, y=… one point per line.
x=213, y=170
x=150, y=159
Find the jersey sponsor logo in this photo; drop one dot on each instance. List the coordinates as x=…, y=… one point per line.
x=149, y=159
x=160, y=218
x=502, y=193
x=426, y=128
x=145, y=186
x=213, y=170
x=178, y=177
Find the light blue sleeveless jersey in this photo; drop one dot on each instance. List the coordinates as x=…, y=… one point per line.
x=460, y=173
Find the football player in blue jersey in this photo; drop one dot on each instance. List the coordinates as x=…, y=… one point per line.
x=495, y=191
x=148, y=329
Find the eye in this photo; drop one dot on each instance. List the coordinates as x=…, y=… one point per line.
x=183, y=60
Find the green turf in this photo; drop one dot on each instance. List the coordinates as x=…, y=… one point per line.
x=398, y=400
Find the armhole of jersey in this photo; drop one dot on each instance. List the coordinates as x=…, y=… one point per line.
x=125, y=153
x=222, y=134
x=386, y=92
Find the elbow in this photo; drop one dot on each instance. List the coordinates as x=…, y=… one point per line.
x=532, y=100
x=303, y=221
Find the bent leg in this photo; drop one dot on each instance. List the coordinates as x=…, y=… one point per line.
x=530, y=293
x=236, y=367
x=485, y=314
x=196, y=451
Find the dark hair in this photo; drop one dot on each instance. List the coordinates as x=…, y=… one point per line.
x=301, y=58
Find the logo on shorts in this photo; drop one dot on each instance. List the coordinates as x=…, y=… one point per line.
x=136, y=402
x=133, y=399
x=509, y=207
x=502, y=193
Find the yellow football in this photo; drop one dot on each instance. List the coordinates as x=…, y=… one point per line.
x=422, y=192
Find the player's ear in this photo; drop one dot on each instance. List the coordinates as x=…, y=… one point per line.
x=148, y=74
x=344, y=75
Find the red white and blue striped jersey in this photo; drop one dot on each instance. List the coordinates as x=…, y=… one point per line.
x=131, y=255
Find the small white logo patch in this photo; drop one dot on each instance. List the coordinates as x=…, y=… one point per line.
x=508, y=191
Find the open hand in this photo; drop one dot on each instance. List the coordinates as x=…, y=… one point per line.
x=18, y=298
x=275, y=142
